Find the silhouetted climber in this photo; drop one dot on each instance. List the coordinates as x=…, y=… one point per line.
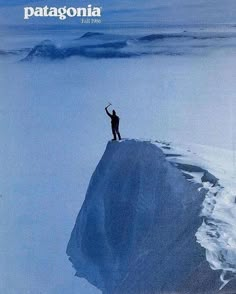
x=114, y=123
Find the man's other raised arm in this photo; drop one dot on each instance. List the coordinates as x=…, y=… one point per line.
x=108, y=113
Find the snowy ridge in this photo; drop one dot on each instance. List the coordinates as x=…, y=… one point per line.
x=138, y=223
x=217, y=232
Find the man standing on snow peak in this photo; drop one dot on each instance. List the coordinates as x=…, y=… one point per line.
x=114, y=123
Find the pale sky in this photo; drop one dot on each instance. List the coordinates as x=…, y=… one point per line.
x=160, y=12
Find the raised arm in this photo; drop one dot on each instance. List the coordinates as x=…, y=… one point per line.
x=108, y=113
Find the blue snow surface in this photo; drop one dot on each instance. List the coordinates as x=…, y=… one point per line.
x=135, y=232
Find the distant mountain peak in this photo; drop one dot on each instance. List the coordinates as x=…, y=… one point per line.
x=91, y=34
x=45, y=49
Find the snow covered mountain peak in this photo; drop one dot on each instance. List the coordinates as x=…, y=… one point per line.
x=45, y=49
x=137, y=226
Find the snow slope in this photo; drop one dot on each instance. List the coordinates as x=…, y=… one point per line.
x=136, y=230
x=217, y=232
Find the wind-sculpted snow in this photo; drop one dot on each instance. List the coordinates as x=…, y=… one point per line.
x=100, y=45
x=136, y=230
x=217, y=232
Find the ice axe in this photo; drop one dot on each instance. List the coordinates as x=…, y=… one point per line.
x=108, y=104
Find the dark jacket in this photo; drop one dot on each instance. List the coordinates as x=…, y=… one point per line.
x=114, y=119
